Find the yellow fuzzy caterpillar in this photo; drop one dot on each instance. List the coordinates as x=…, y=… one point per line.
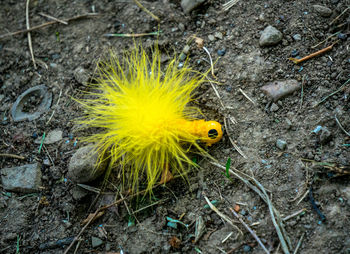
x=145, y=116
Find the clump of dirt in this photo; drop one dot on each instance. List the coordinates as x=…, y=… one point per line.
x=297, y=147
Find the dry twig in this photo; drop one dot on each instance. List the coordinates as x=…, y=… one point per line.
x=250, y=231
x=147, y=11
x=317, y=53
x=47, y=24
x=14, y=156
x=340, y=126
x=53, y=18
x=29, y=35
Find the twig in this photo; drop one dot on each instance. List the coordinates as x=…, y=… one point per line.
x=260, y=190
x=318, y=44
x=211, y=61
x=299, y=243
x=336, y=18
x=29, y=35
x=245, y=95
x=47, y=24
x=146, y=10
x=217, y=93
x=132, y=35
x=229, y=4
x=250, y=231
x=223, y=216
x=12, y=156
x=232, y=142
x=302, y=197
x=340, y=126
x=53, y=18
x=297, y=61
x=294, y=214
x=90, y=220
x=337, y=91
x=53, y=112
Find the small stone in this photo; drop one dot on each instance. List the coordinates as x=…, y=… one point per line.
x=78, y=193
x=294, y=53
x=186, y=49
x=55, y=56
x=342, y=36
x=82, y=165
x=270, y=36
x=81, y=75
x=322, y=10
x=325, y=136
x=190, y=5
x=181, y=27
x=247, y=248
x=279, y=89
x=26, y=178
x=281, y=144
x=95, y=242
x=297, y=37
x=51, y=137
x=274, y=107
x=53, y=65
x=219, y=35
x=46, y=162
x=221, y=52
x=211, y=37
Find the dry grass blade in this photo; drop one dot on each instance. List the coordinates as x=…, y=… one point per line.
x=223, y=216
x=14, y=156
x=146, y=10
x=250, y=231
x=53, y=18
x=260, y=190
x=340, y=126
x=229, y=4
x=29, y=35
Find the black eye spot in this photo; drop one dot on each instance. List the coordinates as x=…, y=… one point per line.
x=213, y=133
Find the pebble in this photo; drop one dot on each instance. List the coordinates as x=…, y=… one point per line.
x=281, y=144
x=82, y=166
x=294, y=53
x=186, y=49
x=26, y=178
x=247, y=248
x=211, y=37
x=325, y=136
x=190, y=5
x=297, y=37
x=51, y=137
x=279, y=89
x=342, y=36
x=53, y=65
x=78, y=193
x=221, y=52
x=322, y=10
x=95, y=242
x=270, y=36
x=81, y=75
x=219, y=35
x=274, y=107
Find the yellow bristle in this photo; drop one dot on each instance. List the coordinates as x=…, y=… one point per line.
x=141, y=108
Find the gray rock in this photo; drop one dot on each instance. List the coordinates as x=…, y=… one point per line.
x=274, y=107
x=26, y=178
x=297, y=37
x=186, y=49
x=270, y=36
x=51, y=137
x=219, y=35
x=81, y=75
x=190, y=5
x=281, y=144
x=322, y=10
x=82, y=165
x=211, y=37
x=248, y=67
x=95, y=242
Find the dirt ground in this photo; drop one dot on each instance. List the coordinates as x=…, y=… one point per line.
x=303, y=168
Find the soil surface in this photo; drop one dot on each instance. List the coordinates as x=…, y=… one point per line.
x=297, y=147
